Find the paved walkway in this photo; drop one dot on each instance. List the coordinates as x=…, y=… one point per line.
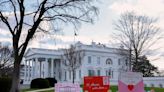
x=41, y=90
x=24, y=86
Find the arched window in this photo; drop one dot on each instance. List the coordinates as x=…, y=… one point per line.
x=109, y=61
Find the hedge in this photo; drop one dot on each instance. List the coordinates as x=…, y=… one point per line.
x=39, y=83
x=52, y=81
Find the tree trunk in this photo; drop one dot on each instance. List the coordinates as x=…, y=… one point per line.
x=136, y=61
x=137, y=57
x=15, y=78
x=130, y=59
x=73, y=76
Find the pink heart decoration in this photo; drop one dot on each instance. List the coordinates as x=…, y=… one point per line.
x=130, y=87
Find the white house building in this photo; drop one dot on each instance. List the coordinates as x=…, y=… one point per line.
x=99, y=60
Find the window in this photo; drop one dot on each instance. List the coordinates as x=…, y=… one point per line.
x=70, y=74
x=89, y=59
x=91, y=73
x=109, y=61
x=98, y=72
x=65, y=78
x=74, y=74
x=126, y=62
x=98, y=60
x=60, y=75
x=59, y=64
x=119, y=61
x=112, y=75
x=109, y=73
x=79, y=73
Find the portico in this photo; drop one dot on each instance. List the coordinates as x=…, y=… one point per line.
x=41, y=65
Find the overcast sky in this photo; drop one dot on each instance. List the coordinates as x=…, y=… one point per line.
x=102, y=29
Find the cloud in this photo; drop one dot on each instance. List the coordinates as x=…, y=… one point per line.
x=152, y=8
x=148, y=7
x=5, y=37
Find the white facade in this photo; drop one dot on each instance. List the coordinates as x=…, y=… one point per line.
x=98, y=60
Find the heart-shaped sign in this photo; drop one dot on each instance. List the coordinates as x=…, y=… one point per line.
x=130, y=87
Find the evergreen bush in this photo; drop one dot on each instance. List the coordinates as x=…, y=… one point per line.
x=39, y=83
x=52, y=81
x=5, y=84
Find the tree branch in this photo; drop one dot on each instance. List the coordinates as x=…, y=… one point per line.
x=4, y=19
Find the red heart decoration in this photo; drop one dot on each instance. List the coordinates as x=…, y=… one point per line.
x=130, y=87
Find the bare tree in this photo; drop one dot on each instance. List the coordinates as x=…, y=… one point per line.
x=6, y=61
x=37, y=12
x=72, y=59
x=136, y=33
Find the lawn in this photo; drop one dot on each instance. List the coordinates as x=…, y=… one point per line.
x=156, y=89
x=113, y=88
x=48, y=91
x=24, y=90
x=38, y=90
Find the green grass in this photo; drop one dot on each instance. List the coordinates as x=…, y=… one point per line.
x=113, y=88
x=156, y=89
x=24, y=90
x=48, y=91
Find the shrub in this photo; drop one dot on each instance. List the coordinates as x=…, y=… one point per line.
x=5, y=84
x=52, y=81
x=39, y=83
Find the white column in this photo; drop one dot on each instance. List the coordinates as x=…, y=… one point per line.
x=31, y=72
x=37, y=70
x=52, y=67
x=42, y=69
x=28, y=70
x=33, y=68
x=46, y=67
x=25, y=71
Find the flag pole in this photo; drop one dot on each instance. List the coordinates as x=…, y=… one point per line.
x=75, y=34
